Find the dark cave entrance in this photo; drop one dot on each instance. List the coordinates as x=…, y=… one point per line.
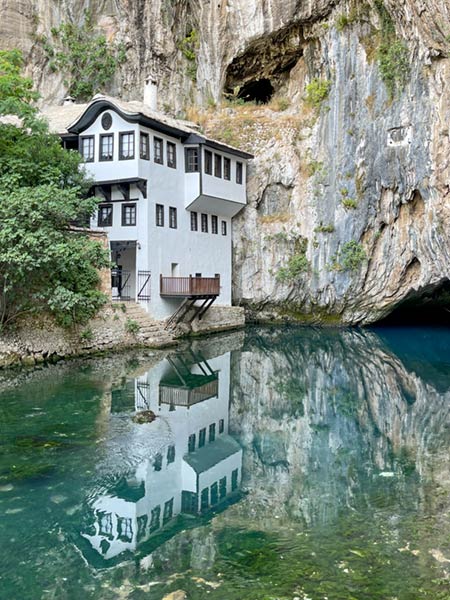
x=430, y=306
x=259, y=91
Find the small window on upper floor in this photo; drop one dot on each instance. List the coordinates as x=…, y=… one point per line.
x=204, y=219
x=191, y=160
x=217, y=165
x=158, y=150
x=191, y=443
x=221, y=425
x=194, y=221
x=208, y=162
x=159, y=215
x=105, y=215
x=170, y=454
x=214, y=224
x=126, y=145
x=224, y=228
x=212, y=432
x=172, y=217
x=227, y=169
x=144, y=146
x=106, y=146
x=128, y=215
x=171, y=155
x=239, y=170
x=87, y=148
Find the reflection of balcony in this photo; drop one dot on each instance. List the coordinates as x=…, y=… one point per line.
x=179, y=395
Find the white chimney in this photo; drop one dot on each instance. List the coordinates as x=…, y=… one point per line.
x=68, y=100
x=151, y=94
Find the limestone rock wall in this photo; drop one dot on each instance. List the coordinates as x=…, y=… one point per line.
x=361, y=169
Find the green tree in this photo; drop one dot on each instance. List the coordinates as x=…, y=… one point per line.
x=45, y=264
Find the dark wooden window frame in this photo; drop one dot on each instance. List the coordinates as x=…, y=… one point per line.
x=159, y=215
x=124, y=207
x=208, y=162
x=82, y=139
x=239, y=173
x=173, y=219
x=121, y=136
x=218, y=165
x=171, y=160
x=227, y=168
x=214, y=224
x=101, y=158
x=109, y=222
x=224, y=227
x=158, y=156
x=204, y=222
x=192, y=166
x=194, y=221
x=144, y=155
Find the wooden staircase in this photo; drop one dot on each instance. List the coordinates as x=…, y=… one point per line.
x=151, y=333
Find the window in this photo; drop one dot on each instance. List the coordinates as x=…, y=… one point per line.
x=191, y=443
x=202, y=437
x=191, y=160
x=159, y=215
x=212, y=432
x=106, y=524
x=142, y=526
x=221, y=426
x=227, y=169
x=126, y=145
x=238, y=172
x=234, y=480
x=194, y=221
x=214, y=493
x=157, y=463
x=223, y=487
x=158, y=150
x=208, y=162
x=172, y=217
x=105, y=215
x=217, y=165
x=171, y=155
x=189, y=502
x=204, y=223
x=144, y=146
x=170, y=454
x=87, y=148
x=214, y=224
x=106, y=146
x=168, y=510
x=224, y=228
x=154, y=519
x=124, y=529
x=204, y=499
x=128, y=215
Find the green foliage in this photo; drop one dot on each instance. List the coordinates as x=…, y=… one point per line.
x=87, y=335
x=342, y=21
x=317, y=91
x=44, y=264
x=132, y=326
x=324, y=229
x=350, y=257
x=189, y=47
x=86, y=59
x=349, y=203
x=296, y=265
x=16, y=92
x=392, y=53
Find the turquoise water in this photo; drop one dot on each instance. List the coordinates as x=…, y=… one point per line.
x=281, y=463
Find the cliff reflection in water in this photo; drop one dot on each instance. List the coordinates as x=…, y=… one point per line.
x=338, y=439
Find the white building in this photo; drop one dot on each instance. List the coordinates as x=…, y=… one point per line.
x=168, y=195
x=197, y=468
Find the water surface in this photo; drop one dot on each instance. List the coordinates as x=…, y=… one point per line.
x=282, y=463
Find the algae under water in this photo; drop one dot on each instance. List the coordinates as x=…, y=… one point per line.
x=281, y=463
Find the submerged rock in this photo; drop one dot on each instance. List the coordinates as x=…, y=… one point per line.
x=145, y=416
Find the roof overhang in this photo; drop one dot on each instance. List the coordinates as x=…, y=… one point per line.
x=220, y=206
x=105, y=187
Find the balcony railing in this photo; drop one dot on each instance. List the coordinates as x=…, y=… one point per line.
x=190, y=286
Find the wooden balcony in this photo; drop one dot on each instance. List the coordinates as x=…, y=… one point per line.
x=190, y=287
x=188, y=395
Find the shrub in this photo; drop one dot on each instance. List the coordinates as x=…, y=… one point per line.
x=350, y=258
x=317, y=91
x=349, y=203
x=324, y=229
x=87, y=335
x=132, y=326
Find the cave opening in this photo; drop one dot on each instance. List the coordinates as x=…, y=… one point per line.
x=259, y=91
x=424, y=308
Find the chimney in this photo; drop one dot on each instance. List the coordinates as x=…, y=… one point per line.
x=151, y=94
x=68, y=100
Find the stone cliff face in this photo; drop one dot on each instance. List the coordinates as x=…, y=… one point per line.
x=348, y=212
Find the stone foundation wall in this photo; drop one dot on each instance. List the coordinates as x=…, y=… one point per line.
x=220, y=318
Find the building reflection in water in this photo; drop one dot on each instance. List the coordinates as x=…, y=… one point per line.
x=197, y=469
